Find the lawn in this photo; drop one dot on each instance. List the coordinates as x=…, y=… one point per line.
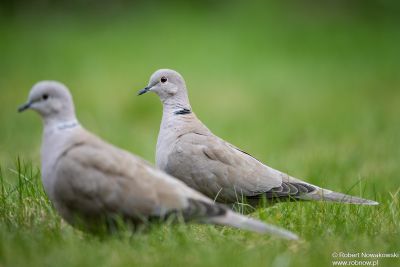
x=314, y=92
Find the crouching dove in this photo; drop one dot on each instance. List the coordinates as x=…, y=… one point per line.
x=90, y=181
x=189, y=151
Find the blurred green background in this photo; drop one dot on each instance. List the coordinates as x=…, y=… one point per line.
x=310, y=87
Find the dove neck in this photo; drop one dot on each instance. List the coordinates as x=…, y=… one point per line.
x=175, y=114
x=60, y=123
x=178, y=101
x=171, y=108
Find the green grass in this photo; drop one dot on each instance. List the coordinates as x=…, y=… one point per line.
x=32, y=234
x=314, y=95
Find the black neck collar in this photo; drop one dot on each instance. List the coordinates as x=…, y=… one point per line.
x=183, y=111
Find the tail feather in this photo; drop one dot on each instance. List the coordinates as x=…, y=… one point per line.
x=327, y=195
x=242, y=222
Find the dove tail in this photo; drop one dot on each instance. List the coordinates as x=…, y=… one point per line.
x=242, y=222
x=327, y=195
x=297, y=190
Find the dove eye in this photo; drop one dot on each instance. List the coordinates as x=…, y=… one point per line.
x=164, y=79
x=45, y=96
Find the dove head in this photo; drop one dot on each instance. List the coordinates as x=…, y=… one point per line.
x=52, y=100
x=170, y=86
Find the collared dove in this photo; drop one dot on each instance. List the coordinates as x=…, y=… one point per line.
x=90, y=181
x=189, y=151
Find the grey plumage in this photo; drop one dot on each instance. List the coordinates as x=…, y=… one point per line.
x=189, y=151
x=91, y=182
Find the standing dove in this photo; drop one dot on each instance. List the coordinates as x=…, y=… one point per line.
x=189, y=151
x=90, y=181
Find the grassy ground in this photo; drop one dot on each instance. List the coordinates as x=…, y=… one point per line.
x=313, y=94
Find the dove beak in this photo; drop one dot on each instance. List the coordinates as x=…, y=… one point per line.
x=24, y=107
x=144, y=90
